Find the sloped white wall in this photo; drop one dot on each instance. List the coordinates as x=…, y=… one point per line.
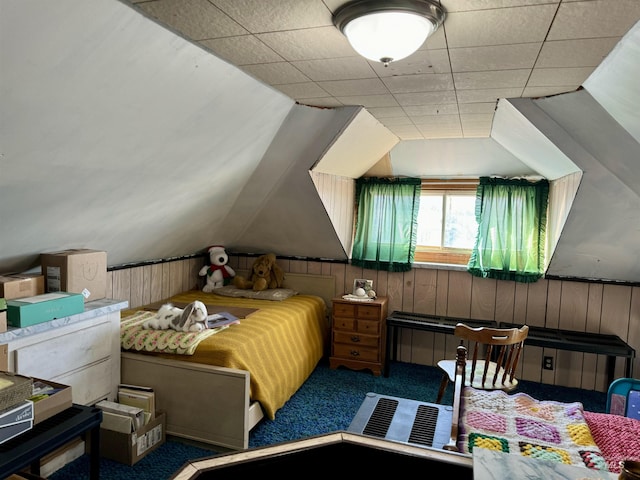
x=119, y=135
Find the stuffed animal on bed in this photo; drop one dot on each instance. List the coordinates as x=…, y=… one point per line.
x=218, y=272
x=265, y=273
x=193, y=318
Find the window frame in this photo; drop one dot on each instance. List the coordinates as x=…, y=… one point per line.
x=445, y=255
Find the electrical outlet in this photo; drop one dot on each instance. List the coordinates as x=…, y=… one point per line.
x=547, y=363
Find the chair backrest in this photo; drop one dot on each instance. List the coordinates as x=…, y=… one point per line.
x=498, y=346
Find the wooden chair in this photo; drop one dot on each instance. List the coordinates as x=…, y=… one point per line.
x=494, y=356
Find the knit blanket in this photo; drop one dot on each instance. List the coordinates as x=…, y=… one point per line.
x=522, y=425
x=617, y=437
x=134, y=337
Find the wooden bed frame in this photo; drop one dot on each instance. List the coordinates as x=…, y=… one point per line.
x=206, y=403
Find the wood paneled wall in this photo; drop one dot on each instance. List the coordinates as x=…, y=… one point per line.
x=572, y=305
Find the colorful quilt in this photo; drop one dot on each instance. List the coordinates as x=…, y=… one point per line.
x=522, y=425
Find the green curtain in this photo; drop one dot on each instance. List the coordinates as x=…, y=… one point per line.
x=387, y=223
x=512, y=219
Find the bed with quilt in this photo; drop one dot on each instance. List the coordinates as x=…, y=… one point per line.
x=552, y=431
x=218, y=384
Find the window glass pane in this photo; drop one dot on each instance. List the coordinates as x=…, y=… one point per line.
x=430, y=221
x=460, y=223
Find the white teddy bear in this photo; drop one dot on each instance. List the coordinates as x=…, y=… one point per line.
x=218, y=271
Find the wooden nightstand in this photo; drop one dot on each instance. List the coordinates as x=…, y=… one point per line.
x=358, y=334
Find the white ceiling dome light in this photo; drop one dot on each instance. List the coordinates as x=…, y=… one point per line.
x=388, y=30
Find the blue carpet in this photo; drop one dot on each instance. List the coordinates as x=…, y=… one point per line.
x=326, y=402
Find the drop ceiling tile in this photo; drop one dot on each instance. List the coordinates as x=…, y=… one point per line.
x=242, y=50
x=528, y=24
x=592, y=19
x=197, y=19
x=435, y=109
x=441, y=120
x=489, y=107
x=276, y=73
x=309, y=44
x=369, y=101
x=426, y=98
x=423, y=61
x=260, y=16
x=494, y=79
x=495, y=57
x=467, y=5
x=575, y=53
x=384, y=112
x=302, y=90
x=543, y=77
x=391, y=121
x=419, y=83
x=336, y=68
x=487, y=95
x=343, y=88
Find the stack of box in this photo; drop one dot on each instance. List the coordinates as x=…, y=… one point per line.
x=131, y=428
x=16, y=411
x=17, y=285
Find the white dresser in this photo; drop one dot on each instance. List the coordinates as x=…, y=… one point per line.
x=81, y=350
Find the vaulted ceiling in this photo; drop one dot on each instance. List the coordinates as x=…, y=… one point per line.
x=484, y=51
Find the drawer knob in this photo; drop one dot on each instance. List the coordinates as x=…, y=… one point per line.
x=355, y=339
x=355, y=353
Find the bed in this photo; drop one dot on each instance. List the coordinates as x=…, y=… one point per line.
x=519, y=424
x=217, y=391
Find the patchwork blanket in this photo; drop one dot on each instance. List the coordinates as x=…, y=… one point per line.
x=134, y=337
x=522, y=425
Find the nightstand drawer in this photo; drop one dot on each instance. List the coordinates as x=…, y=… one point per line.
x=344, y=310
x=347, y=324
x=356, y=339
x=368, y=311
x=364, y=354
x=368, y=326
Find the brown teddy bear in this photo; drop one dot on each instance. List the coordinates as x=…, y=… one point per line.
x=265, y=273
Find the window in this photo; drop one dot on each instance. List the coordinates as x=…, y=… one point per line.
x=447, y=224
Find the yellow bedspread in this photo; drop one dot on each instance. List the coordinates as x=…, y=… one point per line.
x=280, y=344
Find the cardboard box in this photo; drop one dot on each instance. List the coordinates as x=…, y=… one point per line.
x=57, y=401
x=3, y=326
x=129, y=448
x=81, y=271
x=16, y=420
x=18, y=285
x=42, y=308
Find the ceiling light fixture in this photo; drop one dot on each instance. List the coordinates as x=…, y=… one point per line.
x=387, y=31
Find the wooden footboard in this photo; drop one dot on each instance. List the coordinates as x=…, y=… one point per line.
x=202, y=402
x=461, y=359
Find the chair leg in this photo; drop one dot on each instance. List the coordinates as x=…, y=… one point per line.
x=443, y=387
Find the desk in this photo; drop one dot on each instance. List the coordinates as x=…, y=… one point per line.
x=26, y=449
x=610, y=345
x=419, y=321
